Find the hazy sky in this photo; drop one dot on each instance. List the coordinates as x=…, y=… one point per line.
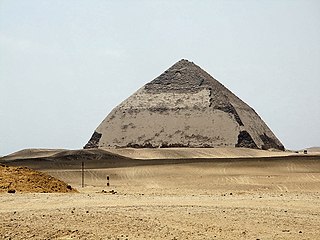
x=65, y=64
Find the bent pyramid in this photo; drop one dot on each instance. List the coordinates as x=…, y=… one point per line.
x=183, y=107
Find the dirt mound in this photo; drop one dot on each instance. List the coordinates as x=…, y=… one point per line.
x=23, y=179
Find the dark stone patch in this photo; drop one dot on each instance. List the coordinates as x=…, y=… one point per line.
x=198, y=138
x=178, y=145
x=158, y=109
x=210, y=102
x=142, y=145
x=173, y=145
x=94, y=141
x=162, y=145
x=230, y=109
x=132, y=111
x=245, y=140
x=270, y=143
x=134, y=145
x=126, y=126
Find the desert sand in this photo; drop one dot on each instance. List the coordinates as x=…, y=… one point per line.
x=275, y=197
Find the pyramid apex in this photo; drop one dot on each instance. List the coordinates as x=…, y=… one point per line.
x=184, y=61
x=183, y=76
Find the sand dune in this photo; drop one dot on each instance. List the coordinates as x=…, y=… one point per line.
x=314, y=150
x=183, y=153
x=143, y=153
x=49, y=154
x=130, y=157
x=31, y=153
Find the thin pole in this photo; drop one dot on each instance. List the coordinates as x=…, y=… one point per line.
x=82, y=167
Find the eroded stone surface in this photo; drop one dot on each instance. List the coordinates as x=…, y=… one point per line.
x=186, y=107
x=94, y=140
x=245, y=140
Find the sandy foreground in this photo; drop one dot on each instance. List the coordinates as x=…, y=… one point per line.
x=238, y=199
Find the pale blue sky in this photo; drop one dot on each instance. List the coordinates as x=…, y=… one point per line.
x=65, y=64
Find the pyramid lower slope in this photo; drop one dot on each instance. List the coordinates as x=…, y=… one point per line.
x=184, y=107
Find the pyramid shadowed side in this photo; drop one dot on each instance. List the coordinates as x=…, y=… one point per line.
x=184, y=107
